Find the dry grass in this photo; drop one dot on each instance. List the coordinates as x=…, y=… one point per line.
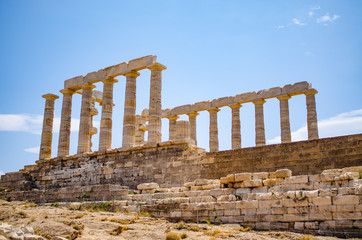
x=118, y=230
x=307, y=237
x=172, y=236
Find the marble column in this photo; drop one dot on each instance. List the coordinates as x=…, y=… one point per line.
x=284, y=119
x=312, y=115
x=105, y=133
x=259, y=122
x=235, y=126
x=85, y=123
x=65, y=123
x=172, y=127
x=213, y=130
x=192, y=120
x=154, y=129
x=183, y=130
x=129, y=118
x=47, y=133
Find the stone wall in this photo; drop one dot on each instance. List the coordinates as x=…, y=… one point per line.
x=174, y=162
x=329, y=203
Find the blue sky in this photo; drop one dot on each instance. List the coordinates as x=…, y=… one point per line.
x=212, y=49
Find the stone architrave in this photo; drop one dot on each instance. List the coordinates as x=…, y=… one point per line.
x=65, y=123
x=154, y=129
x=213, y=130
x=172, y=127
x=85, y=124
x=284, y=119
x=192, y=120
x=235, y=126
x=312, y=115
x=105, y=133
x=47, y=133
x=259, y=122
x=129, y=118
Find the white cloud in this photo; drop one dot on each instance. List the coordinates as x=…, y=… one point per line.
x=2, y=173
x=281, y=26
x=297, y=22
x=32, y=123
x=33, y=150
x=327, y=19
x=342, y=124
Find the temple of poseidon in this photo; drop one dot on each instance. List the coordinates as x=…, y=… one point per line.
x=178, y=180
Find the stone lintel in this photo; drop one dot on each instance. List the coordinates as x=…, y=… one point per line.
x=311, y=92
x=181, y=110
x=221, y=102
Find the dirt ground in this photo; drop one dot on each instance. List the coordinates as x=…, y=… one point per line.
x=67, y=222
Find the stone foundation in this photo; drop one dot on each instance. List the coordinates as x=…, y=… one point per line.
x=329, y=203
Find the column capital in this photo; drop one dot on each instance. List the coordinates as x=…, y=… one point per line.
x=192, y=114
x=259, y=101
x=67, y=91
x=311, y=92
x=157, y=66
x=235, y=105
x=110, y=79
x=132, y=73
x=213, y=110
x=173, y=117
x=284, y=97
x=87, y=86
x=50, y=96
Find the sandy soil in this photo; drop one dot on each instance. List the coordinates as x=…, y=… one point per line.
x=52, y=221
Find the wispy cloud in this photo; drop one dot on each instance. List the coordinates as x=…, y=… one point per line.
x=342, y=124
x=327, y=19
x=298, y=22
x=33, y=123
x=1, y=172
x=33, y=150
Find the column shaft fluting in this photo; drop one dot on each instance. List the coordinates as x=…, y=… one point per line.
x=129, y=117
x=154, y=129
x=172, y=127
x=65, y=123
x=47, y=133
x=213, y=130
x=259, y=122
x=284, y=119
x=85, y=123
x=105, y=133
x=312, y=115
x=235, y=126
x=192, y=120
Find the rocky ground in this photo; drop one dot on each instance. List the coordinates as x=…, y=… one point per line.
x=21, y=220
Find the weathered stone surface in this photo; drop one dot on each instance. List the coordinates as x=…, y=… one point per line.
x=282, y=173
x=147, y=186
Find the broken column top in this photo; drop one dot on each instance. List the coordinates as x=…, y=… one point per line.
x=112, y=71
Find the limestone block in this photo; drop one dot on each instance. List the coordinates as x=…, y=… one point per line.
x=357, y=224
x=296, y=88
x=278, y=210
x=347, y=191
x=94, y=76
x=189, y=184
x=295, y=203
x=299, y=225
x=200, y=106
x=269, y=196
x=259, y=189
x=321, y=201
x=260, y=175
x=196, y=188
x=147, y=186
x=239, y=177
x=297, y=179
x=232, y=212
x=269, y=93
x=345, y=200
x=348, y=176
x=323, y=216
x=269, y=203
x=175, y=214
x=327, y=225
x=328, y=192
x=247, y=204
x=253, y=183
x=226, y=198
x=245, y=97
x=225, y=205
x=242, y=191
x=281, y=173
x=210, y=186
x=272, y=182
x=200, y=182
x=311, y=225
x=311, y=194
x=345, y=208
x=142, y=62
x=75, y=82
x=180, y=110
x=347, y=216
x=204, y=206
x=352, y=169
x=314, y=178
x=327, y=177
x=221, y=102
x=228, y=179
x=296, y=217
